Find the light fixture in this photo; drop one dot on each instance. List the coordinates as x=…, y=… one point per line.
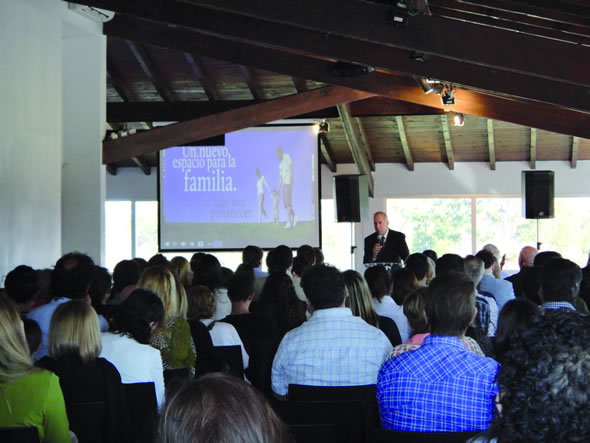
x=424, y=84
x=399, y=14
x=458, y=119
x=448, y=96
x=324, y=127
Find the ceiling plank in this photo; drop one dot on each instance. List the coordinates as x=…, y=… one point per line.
x=200, y=71
x=491, y=145
x=151, y=71
x=522, y=112
x=209, y=126
x=120, y=86
x=533, y=148
x=575, y=148
x=250, y=78
x=327, y=152
x=364, y=143
x=355, y=145
x=404, y=140
x=448, y=144
x=471, y=75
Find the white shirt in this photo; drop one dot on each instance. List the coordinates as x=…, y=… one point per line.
x=285, y=169
x=135, y=362
x=224, y=334
x=223, y=304
x=387, y=307
x=260, y=183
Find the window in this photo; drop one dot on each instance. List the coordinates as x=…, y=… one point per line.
x=336, y=238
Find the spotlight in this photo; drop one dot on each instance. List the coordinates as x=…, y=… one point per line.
x=426, y=87
x=324, y=127
x=458, y=119
x=448, y=97
x=399, y=14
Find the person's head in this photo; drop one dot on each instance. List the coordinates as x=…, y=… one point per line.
x=493, y=249
x=240, y=287
x=279, y=153
x=488, y=259
x=543, y=381
x=531, y=284
x=74, y=330
x=32, y=334
x=474, y=268
x=44, y=276
x=404, y=282
x=126, y=273
x=526, y=258
x=359, y=298
x=323, y=286
x=449, y=263
x=307, y=253
x=252, y=255
x=431, y=253
x=196, y=259
x=379, y=281
x=208, y=272
x=560, y=280
x=243, y=268
x=71, y=276
x=138, y=315
x=414, y=305
x=258, y=174
x=418, y=264
x=269, y=260
x=22, y=286
x=380, y=222
x=142, y=263
x=450, y=308
x=319, y=256
x=278, y=290
x=182, y=267
x=515, y=317
x=219, y=408
x=159, y=260
x=100, y=287
x=201, y=303
x=226, y=275
x=543, y=257
x=161, y=282
x=300, y=264
x=15, y=358
x=282, y=259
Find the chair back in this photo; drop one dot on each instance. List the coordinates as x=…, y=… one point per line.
x=387, y=436
x=143, y=410
x=87, y=420
x=28, y=434
x=262, y=352
x=229, y=359
x=314, y=433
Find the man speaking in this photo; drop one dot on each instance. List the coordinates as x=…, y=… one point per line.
x=385, y=245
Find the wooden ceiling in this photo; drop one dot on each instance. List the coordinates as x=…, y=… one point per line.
x=520, y=70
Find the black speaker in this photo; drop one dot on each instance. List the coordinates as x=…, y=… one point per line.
x=351, y=197
x=538, y=194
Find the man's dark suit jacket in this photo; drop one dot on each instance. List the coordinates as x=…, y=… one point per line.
x=394, y=251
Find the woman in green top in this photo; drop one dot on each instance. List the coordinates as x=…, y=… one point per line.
x=29, y=396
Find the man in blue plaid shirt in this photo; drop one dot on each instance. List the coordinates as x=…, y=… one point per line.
x=441, y=386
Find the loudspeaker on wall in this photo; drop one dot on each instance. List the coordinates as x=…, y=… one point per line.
x=538, y=194
x=351, y=198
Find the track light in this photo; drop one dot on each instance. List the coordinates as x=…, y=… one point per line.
x=399, y=14
x=458, y=119
x=448, y=97
x=424, y=84
x=324, y=127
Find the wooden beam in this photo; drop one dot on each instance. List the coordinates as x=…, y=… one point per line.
x=209, y=126
x=327, y=152
x=112, y=169
x=522, y=112
x=491, y=145
x=404, y=141
x=364, y=143
x=355, y=145
x=151, y=71
x=299, y=83
x=302, y=41
x=448, y=144
x=200, y=71
x=575, y=147
x=140, y=162
x=253, y=86
x=533, y=148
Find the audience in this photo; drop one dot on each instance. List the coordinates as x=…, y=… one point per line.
x=208, y=273
x=500, y=289
x=300, y=265
x=33, y=335
x=125, y=277
x=183, y=270
x=100, y=289
x=441, y=386
x=198, y=308
x=418, y=264
x=22, y=286
x=531, y=284
x=560, y=284
x=30, y=396
x=252, y=256
x=515, y=318
x=542, y=258
x=487, y=308
x=360, y=302
x=526, y=259
x=333, y=348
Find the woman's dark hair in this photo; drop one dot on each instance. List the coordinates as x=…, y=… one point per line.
x=404, y=282
x=100, y=286
x=515, y=317
x=279, y=302
x=379, y=281
x=531, y=282
x=32, y=334
x=136, y=314
x=208, y=272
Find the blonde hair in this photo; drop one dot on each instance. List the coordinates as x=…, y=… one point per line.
x=15, y=359
x=182, y=267
x=74, y=329
x=360, y=300
x=162, y=282
x=202, y=303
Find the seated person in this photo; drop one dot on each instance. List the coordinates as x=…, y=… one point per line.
x=560, y=284
x=502, y=290
x=441, y=386
x=333, y=348
x=22, y=286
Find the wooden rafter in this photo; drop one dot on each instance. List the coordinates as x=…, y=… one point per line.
x=251, y=81
x=575, y=148
x=151, y=71
x=111, y=169
x=364, y=142
x=550, y=118
x=448, y=144
x=198, y=69
x=404, y=141
x=114, y=77
x=355, y=144
x=299, y=83
x=491, y=145
x=533, y=148
x=327, y=152
x=209, y=126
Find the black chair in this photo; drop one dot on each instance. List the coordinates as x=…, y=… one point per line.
x=314, y=433
x=143, y=410
x=261, y=352
x=367, y=394
x=87, y=421
x=19, y=435
x=388, y=436
x=229, y=360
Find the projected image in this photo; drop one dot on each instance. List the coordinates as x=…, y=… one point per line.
x=260, y=188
